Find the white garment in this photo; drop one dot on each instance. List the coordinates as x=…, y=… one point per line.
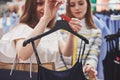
x=47, y=48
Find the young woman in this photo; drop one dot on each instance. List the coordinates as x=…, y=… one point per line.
x=38, y=17
x=81, y=9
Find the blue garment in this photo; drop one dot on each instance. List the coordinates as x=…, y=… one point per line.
x=9, y=22
x=115, y=25
x=110, y=27
x=104, y=17
x=4, y=23
x=105, y=31
x=14, y=19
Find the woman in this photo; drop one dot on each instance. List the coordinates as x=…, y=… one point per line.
x=81, y=9
x=39, y=16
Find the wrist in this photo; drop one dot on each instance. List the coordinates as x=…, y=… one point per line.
x=46, y=18
x=71, y=35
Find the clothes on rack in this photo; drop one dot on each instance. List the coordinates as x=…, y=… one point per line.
x=9, y=22
x=113, y=25
x=110, y=20
x=105, y=31
x=111, y=62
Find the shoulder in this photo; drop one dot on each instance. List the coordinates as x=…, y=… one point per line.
x=22, y=26
x=97, y=30
x=18, y=31
x=93, y=33
x=96, y=33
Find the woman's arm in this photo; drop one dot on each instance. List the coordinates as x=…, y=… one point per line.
x=67, y=47
x=92, y=58
x=25, y=52
x=50, y=10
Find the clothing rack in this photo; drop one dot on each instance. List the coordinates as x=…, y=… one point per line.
x=112, y=36
x=105, y=4
x=111, y=62
x=115, y=17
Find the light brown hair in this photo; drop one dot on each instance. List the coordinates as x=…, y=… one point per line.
x=29, y=16
x=88, y=16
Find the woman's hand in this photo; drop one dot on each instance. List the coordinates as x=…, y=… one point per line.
x=75, y=24
x=92, y=73
x=51, y=8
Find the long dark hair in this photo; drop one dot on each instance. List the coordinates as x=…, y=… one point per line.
x=29, y=16
x=88, y=16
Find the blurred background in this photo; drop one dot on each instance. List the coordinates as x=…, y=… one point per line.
x=10, y=11
x=106, y=16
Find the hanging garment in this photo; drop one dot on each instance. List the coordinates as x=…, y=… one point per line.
x=105, y=31
x=111, y=63
x=74, y=73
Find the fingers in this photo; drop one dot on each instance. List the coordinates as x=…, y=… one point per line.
x=51, y=8
x=60, y=1
x=92, y=73
x=87, y=68
x=55, y=1
x=75, y=24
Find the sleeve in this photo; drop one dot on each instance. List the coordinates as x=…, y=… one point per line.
x=59, y=35
x=94, y=51
x=7, y=45
x=66, y=59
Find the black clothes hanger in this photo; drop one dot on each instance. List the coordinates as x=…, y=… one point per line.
x=60, y=24
x=113, y=36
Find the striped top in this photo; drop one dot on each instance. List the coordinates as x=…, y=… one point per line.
x=92, y=49
x=94, y=37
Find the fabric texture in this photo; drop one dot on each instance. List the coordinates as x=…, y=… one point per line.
x=111, y=62
x=94, y=36
x=17, y=75
x=45, y=51
x=95, y=39
x=105, y=31
x=74, y=73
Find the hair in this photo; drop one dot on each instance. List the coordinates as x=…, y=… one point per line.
x=29, y=16
x=88, y=16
